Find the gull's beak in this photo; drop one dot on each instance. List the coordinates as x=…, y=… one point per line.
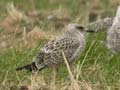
x=89, y=30
x=84, y=29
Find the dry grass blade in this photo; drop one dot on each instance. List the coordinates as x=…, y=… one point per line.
x=3, y=83
x=74, y=82
x=53, y=82
x=79, y=68
x=87, y=54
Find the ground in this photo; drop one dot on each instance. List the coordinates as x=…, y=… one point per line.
x=25, y=26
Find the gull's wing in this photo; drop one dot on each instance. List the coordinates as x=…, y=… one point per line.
x=53, y=50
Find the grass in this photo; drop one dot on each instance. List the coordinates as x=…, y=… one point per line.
x=100, y=68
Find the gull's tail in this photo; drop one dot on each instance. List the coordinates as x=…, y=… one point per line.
x=32, y=67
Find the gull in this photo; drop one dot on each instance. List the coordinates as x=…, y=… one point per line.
x=72, y=42
x=113, y=35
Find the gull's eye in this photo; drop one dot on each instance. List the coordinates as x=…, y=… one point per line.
x=80, y=27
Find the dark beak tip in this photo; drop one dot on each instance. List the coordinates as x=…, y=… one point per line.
x=91, y=31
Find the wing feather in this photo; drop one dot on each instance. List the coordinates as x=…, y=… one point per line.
x=53, y=50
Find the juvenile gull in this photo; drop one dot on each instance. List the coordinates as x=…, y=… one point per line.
x=101, y=24
x=72, y=43
x=113, y=35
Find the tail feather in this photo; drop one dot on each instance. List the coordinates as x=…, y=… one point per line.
x=31, y=67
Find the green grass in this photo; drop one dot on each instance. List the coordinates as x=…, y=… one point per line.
x=107, y=66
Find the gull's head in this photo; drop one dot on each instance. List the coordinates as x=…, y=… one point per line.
x=77, y=27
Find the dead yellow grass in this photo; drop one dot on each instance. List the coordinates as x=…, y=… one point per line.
x=12, y=20
x=37, y=33
x=17, y=34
